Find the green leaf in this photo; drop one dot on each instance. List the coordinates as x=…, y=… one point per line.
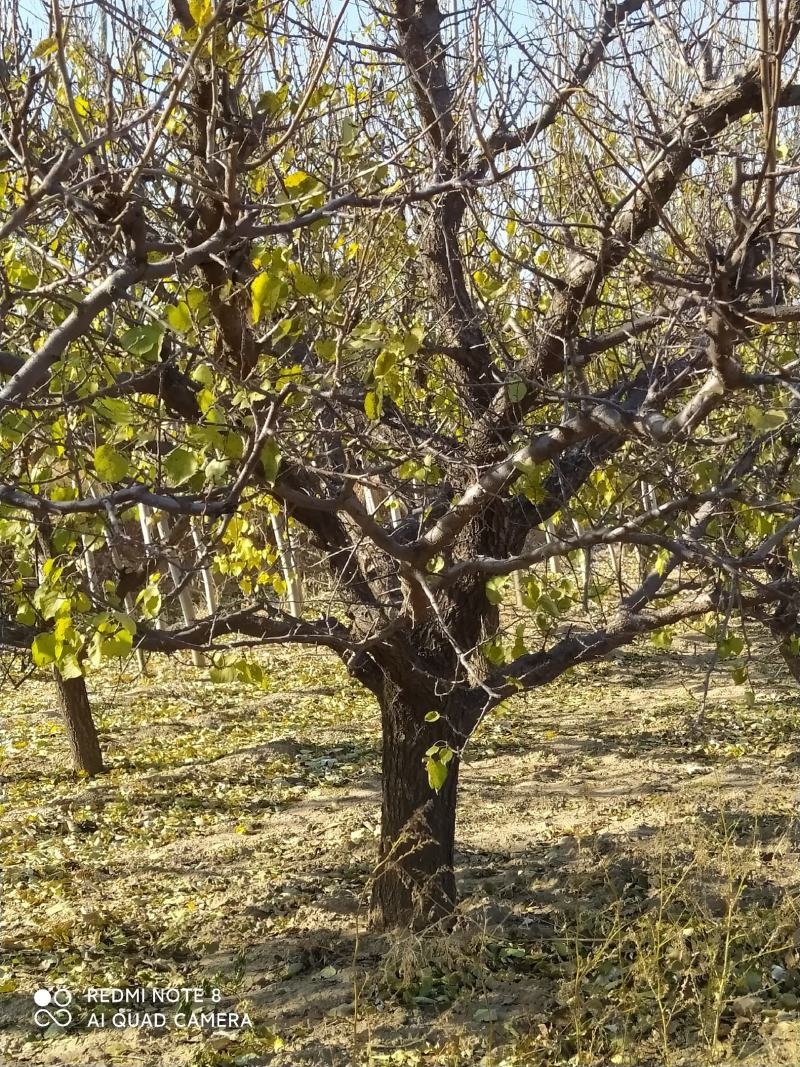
x=437, y=772
x=519, y=648
x=68, y=667
x=273, y=101
x=43, y=649
x=765, y=420
x=110, y=464
x=221, y=675
x=180, y=465
x=216, y=471
x=115, y=410
x=144, y=341
x=45, y=48
x=149, y=600
x=305, y=284
x=494, y=652
x=348, y=131
x=495, y=588
x=662, y=638
x=180, y=317
x=270, y=460
x=413, y=340
x=117, y=646
x=265, y=290
x=373, y=405
x=204, y=374
x=432, y=716
x=124, y=621
x=384, y=363
x=542, y=257
x=516, y=390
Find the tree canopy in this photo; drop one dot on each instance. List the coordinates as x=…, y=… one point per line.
x=425, y=283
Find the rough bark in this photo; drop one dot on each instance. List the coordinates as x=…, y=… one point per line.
x=790, y=658
x=83, y=742
x=414, y=883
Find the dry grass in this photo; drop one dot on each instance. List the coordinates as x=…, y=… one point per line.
x=629, y=892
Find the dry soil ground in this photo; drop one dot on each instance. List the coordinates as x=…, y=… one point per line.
x=628, y=871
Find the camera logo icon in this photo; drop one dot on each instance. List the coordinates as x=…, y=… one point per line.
x=52, y=1008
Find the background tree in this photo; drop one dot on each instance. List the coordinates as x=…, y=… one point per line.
x=425, y=284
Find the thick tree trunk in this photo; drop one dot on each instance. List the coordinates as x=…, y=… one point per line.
x=414, y=883
x=81, y=732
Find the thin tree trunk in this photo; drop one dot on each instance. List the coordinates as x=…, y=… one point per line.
x=616, y=557
x=294, y=592
x=205, y=573
x=185, y=596
x=147, y=537
x=91, y=567
x=587, y=568
x=369, y=500
x=141, y=659
x=128, y=601
x=518, y=595
x=650, y=503
x=81, y=732
x=414, y=882
x=554, y=564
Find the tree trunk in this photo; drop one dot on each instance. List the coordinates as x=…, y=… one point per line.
x=83, y=742
x=414, y=884
x=294, y=588
x=185, y=596
x=790, y=658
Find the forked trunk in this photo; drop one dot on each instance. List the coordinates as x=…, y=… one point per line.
x=414, y=883
x=81, y=732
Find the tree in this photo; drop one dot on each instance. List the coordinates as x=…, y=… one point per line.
x=425, y=284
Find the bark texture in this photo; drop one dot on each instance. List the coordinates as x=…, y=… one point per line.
x=414, y=883
x=83, y=742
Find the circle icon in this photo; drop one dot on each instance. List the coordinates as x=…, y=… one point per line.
x=42, y=997
x=62, y=997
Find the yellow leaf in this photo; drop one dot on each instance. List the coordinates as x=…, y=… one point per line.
x=265, y=291
x=44, y=48
x=201, y=11
x=291, y=181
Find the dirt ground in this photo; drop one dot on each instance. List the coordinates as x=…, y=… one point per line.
x=627, y=865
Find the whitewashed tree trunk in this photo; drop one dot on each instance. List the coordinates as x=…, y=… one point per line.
x=518, y=589
x=395, y=512
x=650, y=502
x=128, y=601
x=212, y=603
x=587, y=568
x=184, y=596
x=554, y=565
x=294, y=592
x=369, y=501
x=147, y=537
x=616, y=557
x=141, y=659
x=91, y=566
